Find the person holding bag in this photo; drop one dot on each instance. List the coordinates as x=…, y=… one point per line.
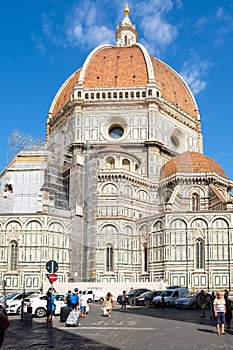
x=109, y=303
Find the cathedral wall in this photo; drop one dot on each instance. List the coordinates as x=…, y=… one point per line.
x=27, y=243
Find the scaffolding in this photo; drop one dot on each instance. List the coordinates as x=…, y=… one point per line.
x=19, y=140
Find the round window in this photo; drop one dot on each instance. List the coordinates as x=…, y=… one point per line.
x=116, y=132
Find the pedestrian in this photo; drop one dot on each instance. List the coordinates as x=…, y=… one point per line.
x=212, y=298
x=84, y=299
x=219, y=312
x=74, y=300
x=123, y=301
x=228, y=314
x=80, y=294
x=163, y=301
x=67, y=298
x=202, y=302
x=51, y=296
x=109, y=303
x=4, y=323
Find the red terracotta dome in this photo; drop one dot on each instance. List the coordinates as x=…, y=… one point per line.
x=120, y=67
x=191, y=162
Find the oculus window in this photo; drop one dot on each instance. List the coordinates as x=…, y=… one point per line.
x=115, y=132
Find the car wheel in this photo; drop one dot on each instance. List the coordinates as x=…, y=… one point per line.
x=194, y=305
x=101, y=300
x=147, y=302
x=89, y=300
x=18, y=311
x=40, y=312
x=168, y=304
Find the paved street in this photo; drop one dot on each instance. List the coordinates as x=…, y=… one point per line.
x=138, y=328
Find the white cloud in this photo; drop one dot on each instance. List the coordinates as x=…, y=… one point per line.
x=91, y=23
x=157, y=31
x=85, y=26
x=194, y=72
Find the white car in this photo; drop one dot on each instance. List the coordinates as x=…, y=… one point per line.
x=14, y=301
x=39, y=304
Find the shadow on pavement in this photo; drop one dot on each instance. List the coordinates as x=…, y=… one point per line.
x=172, y=313
x=37, y=337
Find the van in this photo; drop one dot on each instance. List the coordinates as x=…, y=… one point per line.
x=171, y=294
x=95, y=294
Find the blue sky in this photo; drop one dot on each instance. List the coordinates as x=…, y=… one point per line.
x=44, y=41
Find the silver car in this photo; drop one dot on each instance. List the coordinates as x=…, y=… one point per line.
x=189, y=300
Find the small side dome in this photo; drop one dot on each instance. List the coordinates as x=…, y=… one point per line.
x=191, y=162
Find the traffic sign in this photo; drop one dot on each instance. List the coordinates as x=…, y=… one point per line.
x=52, y=277
x=52, y=266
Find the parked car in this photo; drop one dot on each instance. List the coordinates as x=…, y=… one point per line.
x=190, y=300
x=146, y=298
x=95, y=294
x=171, y=294
x=131, y=294
x=39, y=304
x=14, y=301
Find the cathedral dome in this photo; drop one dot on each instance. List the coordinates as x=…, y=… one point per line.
x=191, y=162
x=125, y=66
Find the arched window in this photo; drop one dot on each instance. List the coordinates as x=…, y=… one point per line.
x=132, y=94
x=115, y=94
x=145, y=256
x=137, y=94
x=121, y=95
x=195, y=202
x=13, y=256
x=110, y=162
x=92, y=96
x=175, y=142
x=199, y=254
x=79, y=94
x=126, y=164
x=86, y=96
x=103, y=95
x=109, y=95
x=125, y=40
x=98, y=95
x=150, y=92
x=126, y=94
x=109, y=258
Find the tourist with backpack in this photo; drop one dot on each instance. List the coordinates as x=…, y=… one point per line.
x=73, y=318
x=74, y=299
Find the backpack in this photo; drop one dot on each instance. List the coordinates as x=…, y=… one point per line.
x=74, y=299
x=67, y=299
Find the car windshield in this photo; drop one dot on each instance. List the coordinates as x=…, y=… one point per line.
x=33, y=296
x=144, y=294
x=167, y=293
x=132, y=291
x=189, y=295
x=10, y=296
